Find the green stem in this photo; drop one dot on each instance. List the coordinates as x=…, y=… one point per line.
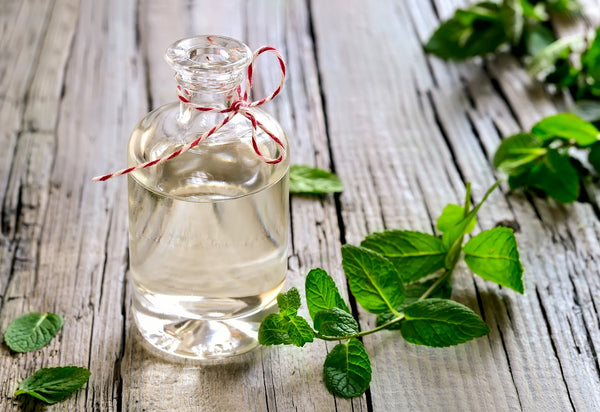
x=447, y=275
x=364, y=333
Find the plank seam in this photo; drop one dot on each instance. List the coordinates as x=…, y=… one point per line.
x=553, y=344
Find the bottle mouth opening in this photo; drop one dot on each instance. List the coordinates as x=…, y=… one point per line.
x=200, y=54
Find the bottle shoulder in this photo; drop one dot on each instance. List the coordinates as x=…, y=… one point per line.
x=224, y=164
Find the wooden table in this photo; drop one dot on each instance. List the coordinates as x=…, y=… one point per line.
x=405, y=131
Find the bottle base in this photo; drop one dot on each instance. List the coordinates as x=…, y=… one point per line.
x=199, y=339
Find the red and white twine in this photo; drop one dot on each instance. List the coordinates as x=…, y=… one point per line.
x=240, y=105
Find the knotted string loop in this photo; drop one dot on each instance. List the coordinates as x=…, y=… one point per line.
x=239, y=105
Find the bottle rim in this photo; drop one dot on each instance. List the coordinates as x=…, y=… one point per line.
x=204, y=53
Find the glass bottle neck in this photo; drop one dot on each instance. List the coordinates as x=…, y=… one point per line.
x=214, y=98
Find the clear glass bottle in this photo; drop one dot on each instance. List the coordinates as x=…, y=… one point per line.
x=208, y=230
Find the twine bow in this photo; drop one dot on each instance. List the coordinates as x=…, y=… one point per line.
x=240, y=105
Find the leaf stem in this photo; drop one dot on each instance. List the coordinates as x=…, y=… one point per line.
x=364, y=333
x=447, y=275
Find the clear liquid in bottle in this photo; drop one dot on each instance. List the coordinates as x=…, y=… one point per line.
x=208, y=233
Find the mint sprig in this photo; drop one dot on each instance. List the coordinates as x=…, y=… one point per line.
x=32, y=331
x=486, y=26
x=542, y=161
x=404, y=278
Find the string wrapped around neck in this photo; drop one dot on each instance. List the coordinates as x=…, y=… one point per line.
x=239, y=106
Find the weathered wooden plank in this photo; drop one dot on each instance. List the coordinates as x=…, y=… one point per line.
x=67, y=246
x=22, y=32
x=517, y=366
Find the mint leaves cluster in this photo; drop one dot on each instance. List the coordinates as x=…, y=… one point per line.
x=486, y=26
x=403, y=277
x=543, y=161
x=34, y=331
x=573, y=64
x=309, y=180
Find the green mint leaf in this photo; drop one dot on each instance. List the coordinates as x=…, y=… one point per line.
x=556, y=176
x=414, y=254
x=413, y=293
x=567, y=126
x=588, y=110
x=322, y=293
x=308, y=180
x=493, y=255
x=534, y=12
x=451, y=216
x=564, y=74
x=373, y=279
x=591, y=58
x=440, y=323
x=565, y=7
x=299, y=331
x=273, y=330
x=519, y=179
x=513, y=19
x=594, y=157
x=546, y=60
x=516, y=153
x=289, y=302
x=32, y=331
x=473, y=32
x=54, y=384
x=335, y=322
x=536, y=38
x=347, y=369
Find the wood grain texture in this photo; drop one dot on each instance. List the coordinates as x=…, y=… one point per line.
x=404, y=130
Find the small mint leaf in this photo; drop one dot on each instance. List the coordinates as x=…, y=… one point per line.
x=475, y=31
x=545, y=60
x=347, y=369
x=273, y=330
x=567, y=126
x=591, y=58
x=373, y=279
x=289, y=302
x=451, y=216
x=308, y=180
x=594, y=156
x=322, y=293
x=493, y=255
x=54, y=384
x=299, y=331
x=440, y=323
x=556, y=176
x=335, y=322
x=414, y=254
x=516, y=153
x=32, y=331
